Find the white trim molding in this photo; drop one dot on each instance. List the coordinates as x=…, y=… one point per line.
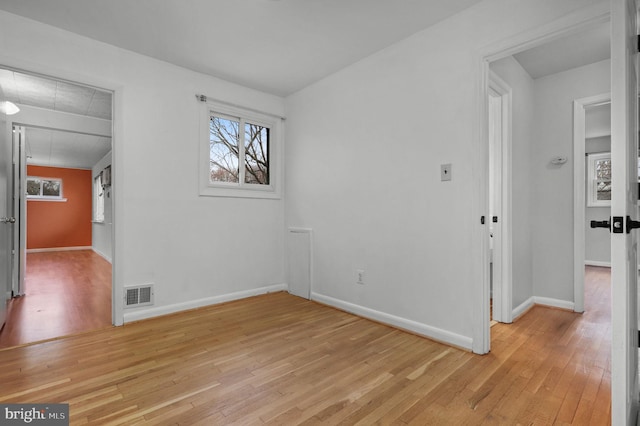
x=42, y=250
x=597, y=263
x=199, y=303
x=421, y=329
x=542, y=301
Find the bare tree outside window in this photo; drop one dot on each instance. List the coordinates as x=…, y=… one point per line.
x=256, y=149
x=225, y=140
x=603, y=179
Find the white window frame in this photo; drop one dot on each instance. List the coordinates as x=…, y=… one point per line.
x=592, y=200
x=46, y=197
x=241, y=189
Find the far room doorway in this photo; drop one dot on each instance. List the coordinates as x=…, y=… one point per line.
x=62, y=269
x=544, y=73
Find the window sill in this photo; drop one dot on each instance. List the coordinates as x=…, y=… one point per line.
x=55, y=200
x=228, y=192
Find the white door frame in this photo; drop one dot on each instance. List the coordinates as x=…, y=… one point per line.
x=117, y=233
x=503, y=270
x=19, y=261
x=579, y=188
x=566, y=25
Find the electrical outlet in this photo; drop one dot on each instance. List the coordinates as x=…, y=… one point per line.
x=360, y=276
x=445, y=172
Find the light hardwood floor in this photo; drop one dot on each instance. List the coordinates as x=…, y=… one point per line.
x=279, y=359
x=66, y=292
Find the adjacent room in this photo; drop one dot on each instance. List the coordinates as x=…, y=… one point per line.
x=298, y=212
x=62, y=150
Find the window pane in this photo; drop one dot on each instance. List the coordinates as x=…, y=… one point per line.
x=256, y=146
x=51, y=188
x=223, y=150
x=33, y=187
x=603, y=169
x=603, y=190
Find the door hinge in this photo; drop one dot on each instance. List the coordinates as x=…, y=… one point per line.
x=495, y=219
x=481, y=220
x=638, y=43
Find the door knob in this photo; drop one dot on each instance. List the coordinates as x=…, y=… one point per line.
x=632, y=224
x=8, y=219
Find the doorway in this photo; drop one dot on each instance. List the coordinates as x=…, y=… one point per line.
x=63, y=146
x=542, y=181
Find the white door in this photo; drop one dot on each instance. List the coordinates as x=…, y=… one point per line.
x=19, y=247
x=624, y=196
x=6, y=216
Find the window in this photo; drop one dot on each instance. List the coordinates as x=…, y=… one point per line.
x=98, y=199
x=44, y=188
x=599, y=179
x=240, y=153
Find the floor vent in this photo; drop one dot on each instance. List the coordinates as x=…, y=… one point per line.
x=138, y=296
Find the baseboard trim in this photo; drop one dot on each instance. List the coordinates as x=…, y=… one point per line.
x=425, y=330
x=597, y=263
x=554, y=303
x=141, y=314
x=43, y=250
x=543, y=301
x=522, y=308
x=101, y=254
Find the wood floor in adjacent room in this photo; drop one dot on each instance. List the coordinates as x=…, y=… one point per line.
x=279, y=359
x=66, y=292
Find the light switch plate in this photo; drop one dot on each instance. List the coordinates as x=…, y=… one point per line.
x=445, y=172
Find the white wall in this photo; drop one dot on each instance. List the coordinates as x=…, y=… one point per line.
x=195, y=249
x=101, y=233
x=522, y=121
x=364, y=149
x=597, y=244
x=552, y=186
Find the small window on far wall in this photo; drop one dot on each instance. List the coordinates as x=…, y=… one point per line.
x=599, y=180
x=98, y=199
x=44, y=188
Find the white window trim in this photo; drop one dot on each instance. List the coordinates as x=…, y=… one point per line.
x=592, y=200
x=241, y=190
x=58, y=198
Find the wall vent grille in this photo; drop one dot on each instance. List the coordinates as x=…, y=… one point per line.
x=138, y=296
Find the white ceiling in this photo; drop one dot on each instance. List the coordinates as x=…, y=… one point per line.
x=278, y=46
x=576, y=50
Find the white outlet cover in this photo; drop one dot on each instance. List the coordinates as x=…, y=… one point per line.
x=445, y=172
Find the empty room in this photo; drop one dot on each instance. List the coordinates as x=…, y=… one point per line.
x=324, y=212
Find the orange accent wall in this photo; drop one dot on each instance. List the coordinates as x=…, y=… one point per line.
x=52, y=224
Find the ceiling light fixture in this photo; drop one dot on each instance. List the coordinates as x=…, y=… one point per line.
x=9, y=108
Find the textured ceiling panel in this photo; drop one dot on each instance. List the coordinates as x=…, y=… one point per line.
x=60, y=96
x=47, y=147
